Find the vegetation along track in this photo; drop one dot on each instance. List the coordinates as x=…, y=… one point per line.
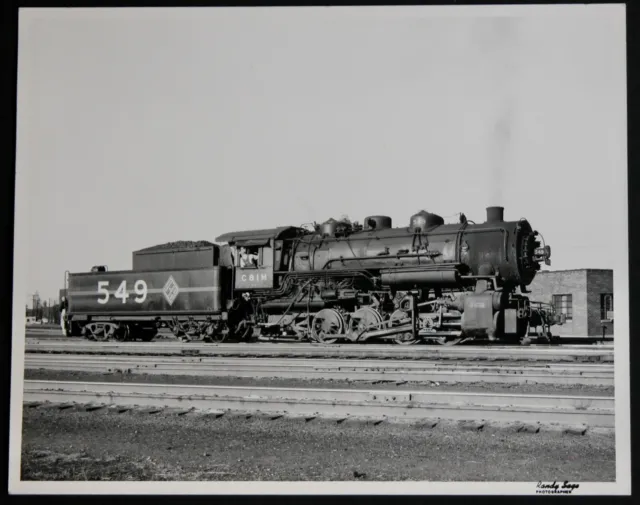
x=494, y=353
x=370, y=370
x=408, y=405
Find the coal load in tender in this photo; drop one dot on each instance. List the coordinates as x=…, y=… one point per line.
x=176, y=255
x=180, y=244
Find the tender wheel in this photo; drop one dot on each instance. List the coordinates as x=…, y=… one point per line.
x=98, y=333
x=148, y=334
x=216, y=333
x=219, y=336
x=193, y=336
x=121, y=334
x=327, y=326
x=397, y=318
x=177, y=331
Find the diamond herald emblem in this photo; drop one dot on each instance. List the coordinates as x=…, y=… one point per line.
x=171, y=290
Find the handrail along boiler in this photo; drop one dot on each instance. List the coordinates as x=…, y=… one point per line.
x=432, y=281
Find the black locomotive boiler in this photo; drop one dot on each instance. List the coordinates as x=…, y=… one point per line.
x=341, y=281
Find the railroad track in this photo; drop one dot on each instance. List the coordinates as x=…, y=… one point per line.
x=370, y=403
x=371, y=370
x=588, y=342
x=304, y=350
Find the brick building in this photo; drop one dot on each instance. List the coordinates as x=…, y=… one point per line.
x=585, y=296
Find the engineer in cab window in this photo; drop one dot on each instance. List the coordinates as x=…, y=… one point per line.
x=248, y=259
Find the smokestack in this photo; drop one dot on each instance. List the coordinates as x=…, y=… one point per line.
x=495, y=214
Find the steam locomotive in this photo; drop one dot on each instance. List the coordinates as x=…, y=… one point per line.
x=339, y=281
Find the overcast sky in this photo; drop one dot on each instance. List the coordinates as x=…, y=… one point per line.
x=138, y=126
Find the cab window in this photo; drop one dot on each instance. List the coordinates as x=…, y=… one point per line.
x=283, y=254
x=247, y=257
x=266, y=257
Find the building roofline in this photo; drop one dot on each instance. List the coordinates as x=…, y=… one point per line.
x=575, y=270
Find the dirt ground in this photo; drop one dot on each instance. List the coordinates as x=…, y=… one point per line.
x=75, y=444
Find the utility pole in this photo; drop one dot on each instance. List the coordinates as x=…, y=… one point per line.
x=36, y=304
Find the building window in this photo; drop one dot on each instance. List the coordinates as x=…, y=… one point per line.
x=606, y=305
x=564, y=305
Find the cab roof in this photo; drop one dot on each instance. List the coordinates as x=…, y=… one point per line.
x=259, y=237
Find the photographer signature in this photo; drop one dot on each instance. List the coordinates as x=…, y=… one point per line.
x=554, y=487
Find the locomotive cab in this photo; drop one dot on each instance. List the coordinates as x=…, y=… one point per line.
x=258, y=254
x=254, y=267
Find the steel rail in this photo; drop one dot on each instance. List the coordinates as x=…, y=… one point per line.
x=592, y=411
x=320, y=350
x=409, y=371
